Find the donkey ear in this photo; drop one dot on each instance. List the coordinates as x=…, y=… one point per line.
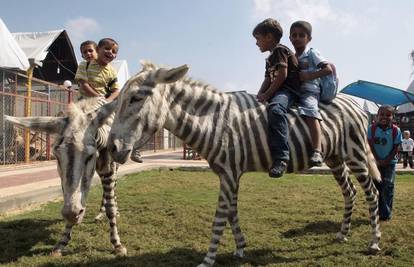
x=45, y=124
x=101, y=114
x=170, y=75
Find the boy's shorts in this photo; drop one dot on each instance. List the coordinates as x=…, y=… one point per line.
x=307, y=104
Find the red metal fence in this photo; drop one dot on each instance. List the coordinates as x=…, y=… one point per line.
x=18, y=145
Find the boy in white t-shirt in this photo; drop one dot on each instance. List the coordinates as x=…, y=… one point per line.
x=407, y=149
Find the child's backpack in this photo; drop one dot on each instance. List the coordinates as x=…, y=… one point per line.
x=374, y=128
x=328, y=84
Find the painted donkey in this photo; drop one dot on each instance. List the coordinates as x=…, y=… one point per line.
x=230, y=131
x=80, y=148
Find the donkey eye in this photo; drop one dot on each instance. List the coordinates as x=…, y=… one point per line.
x=89, y=158
x=135, y=99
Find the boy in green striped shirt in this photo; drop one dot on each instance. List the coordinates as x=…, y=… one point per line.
x=97, y=77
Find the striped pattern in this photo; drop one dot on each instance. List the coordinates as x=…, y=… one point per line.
x=76, y=150
x=230, y=131
x=97, y=76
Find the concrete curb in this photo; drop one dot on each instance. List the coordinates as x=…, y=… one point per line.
x=24, y=196
x=41, y=196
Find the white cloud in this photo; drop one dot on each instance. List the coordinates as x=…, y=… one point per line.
x=314, y=11
x=80, y=28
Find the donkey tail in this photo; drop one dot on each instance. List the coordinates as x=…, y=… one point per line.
x=372, y=166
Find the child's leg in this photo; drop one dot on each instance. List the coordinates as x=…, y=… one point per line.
x=315, y=131
x=387, y=192
x=308, y=107
x=405, y=158
x=279, y=131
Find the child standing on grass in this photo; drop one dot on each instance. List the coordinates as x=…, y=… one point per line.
x=312, y=66
x=407, y=146
x=384, y=138
x=97, y=77
x=280, y=89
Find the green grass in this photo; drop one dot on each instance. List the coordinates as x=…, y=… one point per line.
x=166, y=219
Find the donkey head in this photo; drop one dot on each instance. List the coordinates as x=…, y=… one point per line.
x=75, y=149
x=142, y=109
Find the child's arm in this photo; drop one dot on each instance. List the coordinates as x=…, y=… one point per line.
x=113, y=95
x=265, y=85
x=275, y=85
x=308, y=76
x=263, y=88
x=390, y=157
x=87, y=88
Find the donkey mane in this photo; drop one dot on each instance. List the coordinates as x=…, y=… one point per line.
x=84, y=106
x=148, y=66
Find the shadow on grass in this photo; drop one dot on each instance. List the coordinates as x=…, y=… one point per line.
x=321, y=227
x=182, y=257
x=20, y=236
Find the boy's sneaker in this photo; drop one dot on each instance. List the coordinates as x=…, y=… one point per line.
x=136, y=156
x=278, y=169
x=316, y=159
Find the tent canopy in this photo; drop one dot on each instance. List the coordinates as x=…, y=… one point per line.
x=52, y=52
x=378, y=93
x=121, y=67
x=11, y=55
x=409, y=107
x=36, y=44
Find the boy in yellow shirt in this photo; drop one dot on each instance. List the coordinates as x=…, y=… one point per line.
x=97, y=77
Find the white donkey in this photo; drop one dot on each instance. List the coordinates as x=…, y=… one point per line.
x=230, y=131
x=80, y=148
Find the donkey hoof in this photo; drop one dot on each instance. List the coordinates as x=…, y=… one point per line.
x=239, y=253
x=341, y=238
x=56, y=253
x=120, y=251
x=373, y=248
x=99, y=217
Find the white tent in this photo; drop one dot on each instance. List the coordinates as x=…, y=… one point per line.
x=370, y=107
x=409, y=106
x=36, y=44
x=121, y=66
x=11, y=55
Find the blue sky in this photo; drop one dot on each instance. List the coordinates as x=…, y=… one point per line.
x=369, y=40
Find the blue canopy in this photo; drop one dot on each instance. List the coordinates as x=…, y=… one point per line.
x=379, y=93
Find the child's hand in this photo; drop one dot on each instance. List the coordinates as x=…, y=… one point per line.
x=305, y=76
x=262, y=98
x=382, y=162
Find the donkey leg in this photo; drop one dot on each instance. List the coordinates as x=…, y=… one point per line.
x=341, y=175
x=101, y=213
x=233, y=219
x=371, y=194
x=220, y=220
x=111, y=211
x=106, y=168
x=66, y=236
x=360, y=169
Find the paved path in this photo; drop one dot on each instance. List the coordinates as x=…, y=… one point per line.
x=24, y=185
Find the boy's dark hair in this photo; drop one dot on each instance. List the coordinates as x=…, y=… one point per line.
x=105, y=41
x=271, y=26
x=303, y=25
x=88, y=42
x=387, y=108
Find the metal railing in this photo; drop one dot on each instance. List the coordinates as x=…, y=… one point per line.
x=19, y=145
